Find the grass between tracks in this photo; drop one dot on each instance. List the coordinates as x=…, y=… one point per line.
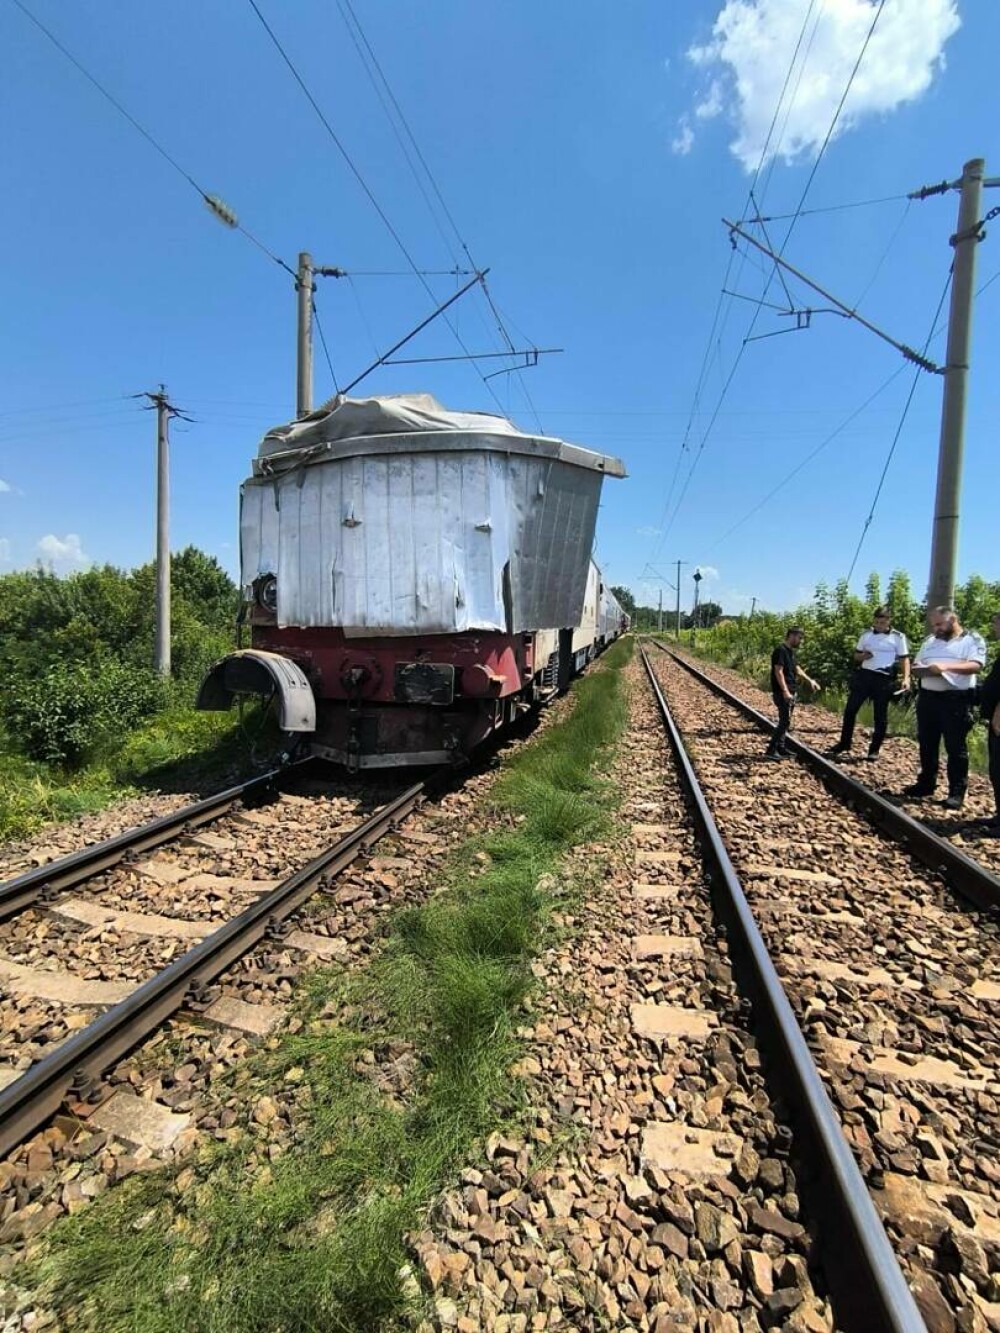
x=316, y=1238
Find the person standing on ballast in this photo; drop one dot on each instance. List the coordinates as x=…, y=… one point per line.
x=880, y=652
x=785, y=676
x=946, y=667
x=989, y=707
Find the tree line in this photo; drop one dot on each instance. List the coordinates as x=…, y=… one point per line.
x=76, y=652
x=832, y=621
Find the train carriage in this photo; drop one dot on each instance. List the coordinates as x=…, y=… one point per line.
x=413, y=577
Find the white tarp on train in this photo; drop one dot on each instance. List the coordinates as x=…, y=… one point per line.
x=392, y=516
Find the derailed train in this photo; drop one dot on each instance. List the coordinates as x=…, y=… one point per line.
x=413, y=578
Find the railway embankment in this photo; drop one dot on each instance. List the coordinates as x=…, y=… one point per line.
x=310, y=1160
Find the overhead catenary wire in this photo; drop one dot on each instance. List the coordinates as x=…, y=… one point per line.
x=835, y=208
x=356, y=173
x=377, y=75
x=788, y=232
x=853, y=415
x=715, y=325
x=899, y=431
x=210, y=200
x=326, y=350
x=357, y=36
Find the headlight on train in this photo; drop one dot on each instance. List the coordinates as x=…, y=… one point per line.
x=267, y=594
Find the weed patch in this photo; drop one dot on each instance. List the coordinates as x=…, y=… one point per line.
x=397, y=1073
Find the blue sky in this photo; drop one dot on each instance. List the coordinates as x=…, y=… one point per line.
x=587, y=152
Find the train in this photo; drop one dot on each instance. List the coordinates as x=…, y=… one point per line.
x=413, y=578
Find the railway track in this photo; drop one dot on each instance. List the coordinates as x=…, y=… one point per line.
x=46, y=881
x=929, y=831
x=73, y=1071
x=98, y=950
x=894, y=983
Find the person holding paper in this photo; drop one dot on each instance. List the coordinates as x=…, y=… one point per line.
x=880, y=653
x=946, y=667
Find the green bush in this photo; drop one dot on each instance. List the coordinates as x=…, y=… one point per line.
x=70, y=713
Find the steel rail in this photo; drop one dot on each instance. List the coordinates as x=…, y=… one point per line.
x=966, y=876
x=867, y=1286
x=78, y=1063
x=69, y=871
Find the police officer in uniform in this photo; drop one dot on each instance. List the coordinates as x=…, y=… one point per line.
x=946, y=666
x=879, y=652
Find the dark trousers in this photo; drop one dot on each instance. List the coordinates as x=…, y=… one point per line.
x=943, y=715
x=785, y=707
x=867, y=685
x=994, y=751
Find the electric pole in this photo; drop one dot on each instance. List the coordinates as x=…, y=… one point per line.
x=305, y=286
x=304, y=356
x=164, y=411
x=944, y=537
x=677, y=622
x=694, y=610
x=659, y=622
x=161, y=651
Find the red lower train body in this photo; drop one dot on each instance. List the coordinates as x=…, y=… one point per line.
x=425, y=700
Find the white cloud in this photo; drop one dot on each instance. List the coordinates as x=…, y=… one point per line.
x=712, y=103
x=683, y=140
x=4, y=550
x=5, y=486
x=62, y=552
x=709, y=573
x=753, y=41
x=648, y=530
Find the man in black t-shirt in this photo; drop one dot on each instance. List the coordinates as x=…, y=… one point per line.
x=785, y=674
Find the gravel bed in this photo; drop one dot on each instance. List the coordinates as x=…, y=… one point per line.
x=207, y=878
x=574, y=1220
x=886, y=969
x=895, y=768
x=74, y=834
x=187, y=1066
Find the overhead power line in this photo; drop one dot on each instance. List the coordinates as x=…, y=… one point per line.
x=365, y=187
x=221, y=210
x=403, y=134
x=788, y=232
x=710, y=343
x=814, y=453
x=326, y=350
x=839, y=430
x=911, y=355
x=834, y=208
x=899, y=430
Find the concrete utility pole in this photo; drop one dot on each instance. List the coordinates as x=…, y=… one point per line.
x=944, y=538
x=161, y=650
x=694, y=610
x=304, y=285
x=659, y=622
x=164, y=411
x=677, y=622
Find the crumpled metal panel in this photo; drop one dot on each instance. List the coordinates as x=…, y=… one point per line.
x=403, y=543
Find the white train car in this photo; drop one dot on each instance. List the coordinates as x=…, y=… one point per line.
x=413, y=577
